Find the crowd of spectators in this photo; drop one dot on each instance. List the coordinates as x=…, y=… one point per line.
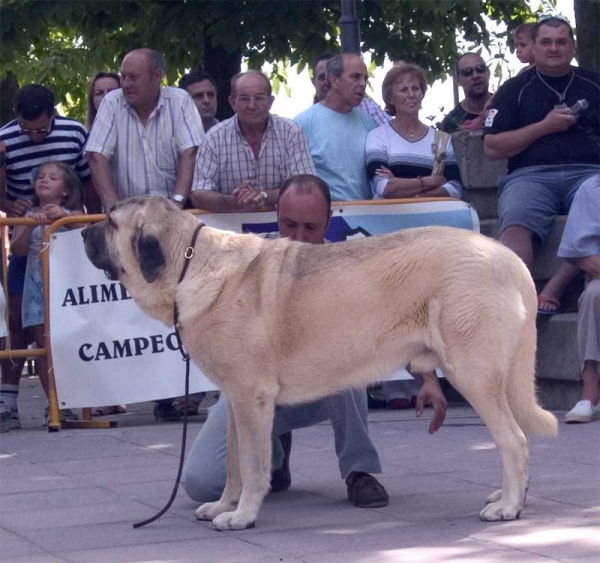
x=146, y=138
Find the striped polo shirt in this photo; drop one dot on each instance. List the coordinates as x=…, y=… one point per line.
x=65, y=142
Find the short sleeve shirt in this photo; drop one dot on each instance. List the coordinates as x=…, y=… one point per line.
x=65, y=142
x=527, y=99
x=225, y=159
x=144, y=158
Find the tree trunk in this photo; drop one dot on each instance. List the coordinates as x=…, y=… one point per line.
x=222, y=66
x=587, y=23
x=8, y=88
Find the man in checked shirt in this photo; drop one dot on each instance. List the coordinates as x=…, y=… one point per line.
x=243, y=160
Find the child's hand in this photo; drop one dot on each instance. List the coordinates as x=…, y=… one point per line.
x=40, y=217
x=54, y=211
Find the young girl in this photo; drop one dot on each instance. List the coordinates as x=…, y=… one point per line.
x=58, y=193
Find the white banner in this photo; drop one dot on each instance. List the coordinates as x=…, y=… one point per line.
x=106, y=351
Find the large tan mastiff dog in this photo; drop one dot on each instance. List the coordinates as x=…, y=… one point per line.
x=280, y=322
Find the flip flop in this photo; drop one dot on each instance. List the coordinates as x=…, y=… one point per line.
x=547, y=299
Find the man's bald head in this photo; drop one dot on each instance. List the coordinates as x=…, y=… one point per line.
x=304, y=209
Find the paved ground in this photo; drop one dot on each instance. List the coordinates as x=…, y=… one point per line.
x=72, y=497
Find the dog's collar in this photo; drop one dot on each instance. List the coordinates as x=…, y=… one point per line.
x=188, y=255
x=189, y=252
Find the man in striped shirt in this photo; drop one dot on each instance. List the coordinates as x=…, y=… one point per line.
x=36, y=136
x=145, y=136
x=243, y=160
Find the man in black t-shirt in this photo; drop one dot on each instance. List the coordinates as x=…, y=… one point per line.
x=550, y=150
x=473, y=76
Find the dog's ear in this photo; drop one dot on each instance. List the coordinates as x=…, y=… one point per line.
x=150, y=255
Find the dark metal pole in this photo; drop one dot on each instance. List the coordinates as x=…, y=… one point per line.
x=349, y=28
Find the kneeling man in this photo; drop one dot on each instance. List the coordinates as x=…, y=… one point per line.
x=303, y=214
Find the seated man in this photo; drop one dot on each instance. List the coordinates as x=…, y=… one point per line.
x=550, y=150
x=243, y=160
x=304, y=210
x=581, y=245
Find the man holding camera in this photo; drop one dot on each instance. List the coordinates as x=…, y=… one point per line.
x=551, y=148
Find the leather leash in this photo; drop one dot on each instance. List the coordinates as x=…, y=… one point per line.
x=188, y=255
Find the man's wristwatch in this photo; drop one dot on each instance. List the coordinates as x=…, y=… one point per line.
x=178, y=198
x=265, y=197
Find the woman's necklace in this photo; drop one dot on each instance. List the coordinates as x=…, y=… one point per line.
x=561, y=97
x=413, y=137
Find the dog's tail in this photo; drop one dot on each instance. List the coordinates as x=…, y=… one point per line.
x=521, y=383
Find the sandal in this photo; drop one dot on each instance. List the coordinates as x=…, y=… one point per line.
x=546, y=299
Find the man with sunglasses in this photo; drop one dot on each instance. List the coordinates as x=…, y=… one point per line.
x=37, y=135
x=473, y=76
x=551, y=149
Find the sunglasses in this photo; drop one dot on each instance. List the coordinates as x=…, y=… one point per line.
x=469, y=70
x=42, y=130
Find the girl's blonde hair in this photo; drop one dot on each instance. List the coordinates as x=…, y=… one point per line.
x=73, y=187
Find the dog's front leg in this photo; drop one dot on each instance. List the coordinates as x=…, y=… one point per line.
x=254, y=423
x=233, y=485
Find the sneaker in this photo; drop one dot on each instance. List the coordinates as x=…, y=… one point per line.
x=164, y=411
x=365, y=491
x=9, y=418
x=281, y=479
x=582, y=412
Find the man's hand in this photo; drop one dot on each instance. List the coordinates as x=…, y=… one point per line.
x=431, y=394
x=248, y=197
x=17, y=208
x=559, y=120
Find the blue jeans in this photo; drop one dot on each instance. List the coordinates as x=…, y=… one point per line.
x=533, y=196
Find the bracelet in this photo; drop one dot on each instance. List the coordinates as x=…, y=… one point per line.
x=422, y=183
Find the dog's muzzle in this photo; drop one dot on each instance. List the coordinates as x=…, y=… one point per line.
x=94, y=242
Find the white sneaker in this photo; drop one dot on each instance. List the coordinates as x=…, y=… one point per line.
x=582, y=412
x=9, y=417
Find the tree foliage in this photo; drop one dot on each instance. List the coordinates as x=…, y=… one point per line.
x=62, y=43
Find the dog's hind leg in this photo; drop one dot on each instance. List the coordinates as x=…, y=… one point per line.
x=484, y=386
x=233, y=485
x=254, y=423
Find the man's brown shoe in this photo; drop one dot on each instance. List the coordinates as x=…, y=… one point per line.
x=365, y=491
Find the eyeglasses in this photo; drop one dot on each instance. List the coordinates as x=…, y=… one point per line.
x=42, y=130
x=258, y=99
x=469, y=70
x=558, y=17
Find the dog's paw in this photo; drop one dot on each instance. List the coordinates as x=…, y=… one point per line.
x=210, y=510
x=494, y=497
x=498, y=510
x=233, y=521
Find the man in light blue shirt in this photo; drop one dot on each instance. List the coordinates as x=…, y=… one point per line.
x=336, y=130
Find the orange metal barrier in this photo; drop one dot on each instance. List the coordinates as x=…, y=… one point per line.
x=54, y=423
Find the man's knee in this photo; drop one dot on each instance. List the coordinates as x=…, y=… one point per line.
x=199, y=485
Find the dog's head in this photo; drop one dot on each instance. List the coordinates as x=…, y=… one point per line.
x=128, y=244
x=136, y=244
